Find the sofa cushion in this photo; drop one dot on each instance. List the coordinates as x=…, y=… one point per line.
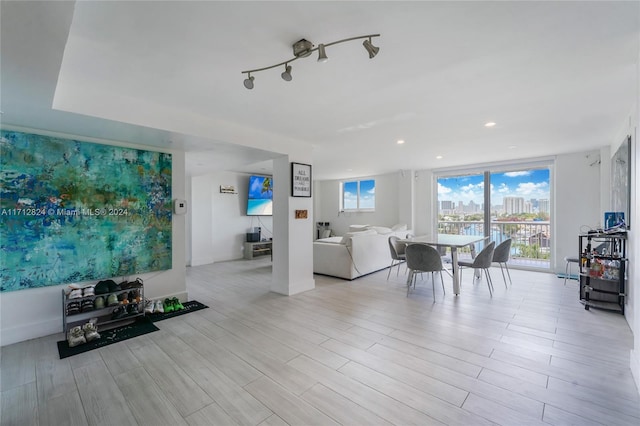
x=348, y=235
x=383, y=230
x=399, y=227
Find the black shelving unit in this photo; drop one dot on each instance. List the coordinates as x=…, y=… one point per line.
x=603, y=265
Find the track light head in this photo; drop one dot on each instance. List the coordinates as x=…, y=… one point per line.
x=322, y=55
x=286, y=75
x=248, y=83
x=373, y=50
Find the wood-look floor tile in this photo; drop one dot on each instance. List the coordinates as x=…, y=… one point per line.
x=378, y=403
x=103, y=402
x=498, y=413
x=289, y=378
x=227, y=394
x=17, y=365
x=19, y=405
x=289, y=407
x=179, y=388
x=210, y=415
x=148, y=404
x=343, y=410
x=63, y=410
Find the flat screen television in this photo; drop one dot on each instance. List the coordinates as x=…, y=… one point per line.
x=260, y=200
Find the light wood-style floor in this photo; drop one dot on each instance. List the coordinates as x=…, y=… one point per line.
x=351, y=353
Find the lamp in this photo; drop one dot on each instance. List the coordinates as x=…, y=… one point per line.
x=322, y=55
x=286, y=75
x=373, y=50
x=304, y=48
x=248, y=83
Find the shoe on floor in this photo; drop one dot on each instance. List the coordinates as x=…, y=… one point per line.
x=90, y=331
x=177, y=306
x=159, y=307
x=168, y=305
x=76, y=337
x=149, y=306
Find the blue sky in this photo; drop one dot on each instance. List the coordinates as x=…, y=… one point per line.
x=367, y=194
x=527, y=184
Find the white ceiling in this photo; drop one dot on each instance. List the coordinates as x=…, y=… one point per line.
x=556, y=77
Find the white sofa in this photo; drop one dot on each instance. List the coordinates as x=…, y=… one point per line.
x=356, y=253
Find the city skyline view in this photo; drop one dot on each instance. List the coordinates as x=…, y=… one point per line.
x=532, y=184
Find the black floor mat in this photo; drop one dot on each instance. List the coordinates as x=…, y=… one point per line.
x=190, y=306
x=142, y=325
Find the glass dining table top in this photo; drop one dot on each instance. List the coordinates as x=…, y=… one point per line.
x=449, y=240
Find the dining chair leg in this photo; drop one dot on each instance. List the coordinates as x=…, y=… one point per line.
x=390, y=268
x=409, y=279
x=486, y=272
x=503, y=276
x=508, y=274
x=442, y=282
x=433, y=286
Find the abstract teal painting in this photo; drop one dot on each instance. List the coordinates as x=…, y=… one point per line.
x=73, y=211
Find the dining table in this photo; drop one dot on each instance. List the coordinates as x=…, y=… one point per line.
x=454, y=241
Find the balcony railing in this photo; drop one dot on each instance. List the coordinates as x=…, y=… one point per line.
x=531, y=240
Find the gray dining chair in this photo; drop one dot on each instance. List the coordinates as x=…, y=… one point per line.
x=501, y=257
x=423, y=258
x=482, y=261
x=397, y=252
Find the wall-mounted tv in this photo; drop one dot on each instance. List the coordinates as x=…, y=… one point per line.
x=260, y=200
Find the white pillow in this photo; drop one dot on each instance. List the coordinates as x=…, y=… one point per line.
x=399, y=227
x=381, y=229
x=358, y=228
x=348, y=235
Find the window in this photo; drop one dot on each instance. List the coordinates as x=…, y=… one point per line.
x=501, y=203
x=359, y=195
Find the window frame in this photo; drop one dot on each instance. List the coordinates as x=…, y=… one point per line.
x=358, y=196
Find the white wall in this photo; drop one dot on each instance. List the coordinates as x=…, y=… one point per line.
x=27, y=314
x=387, y=211
x=577, y=205
x=633, y=307
x=219, y=221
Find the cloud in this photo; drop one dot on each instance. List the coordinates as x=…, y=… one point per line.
x=540, y=190
x=443, y=189
x=516, y=174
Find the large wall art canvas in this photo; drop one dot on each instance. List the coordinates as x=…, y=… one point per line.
x=73, y=211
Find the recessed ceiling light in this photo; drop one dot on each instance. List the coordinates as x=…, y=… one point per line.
x=512, y=147
x=489, y=124
x=349, y=170
x=438, y=157
x=400, y=142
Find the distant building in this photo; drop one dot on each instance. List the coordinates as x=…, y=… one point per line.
x=513, y=205
x=543, y=206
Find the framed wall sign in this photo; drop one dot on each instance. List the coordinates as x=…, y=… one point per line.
x=300, y=180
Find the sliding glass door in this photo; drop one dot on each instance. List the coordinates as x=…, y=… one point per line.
x=500, y=203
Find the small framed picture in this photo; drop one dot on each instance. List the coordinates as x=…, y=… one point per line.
x=300, y=180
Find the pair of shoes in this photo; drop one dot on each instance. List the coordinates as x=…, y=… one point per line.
x=172, y=305
x=149, y=306
x=132, y=308
x=158, y=307
x=132, y=284
x=90, y=332
x=119, y=312
x=76, y=337
x=112, y=300
x=98, y=303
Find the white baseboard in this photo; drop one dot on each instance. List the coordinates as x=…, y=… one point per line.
x=634, y=364
x=23, y=332
x=30, y=331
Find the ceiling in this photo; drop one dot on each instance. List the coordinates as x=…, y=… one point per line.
x=555, y=77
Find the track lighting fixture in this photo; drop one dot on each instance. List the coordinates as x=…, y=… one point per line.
x=373, y=50
x=304, y=48
x=286, y=75
x=322, y=55
x=248, y=82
